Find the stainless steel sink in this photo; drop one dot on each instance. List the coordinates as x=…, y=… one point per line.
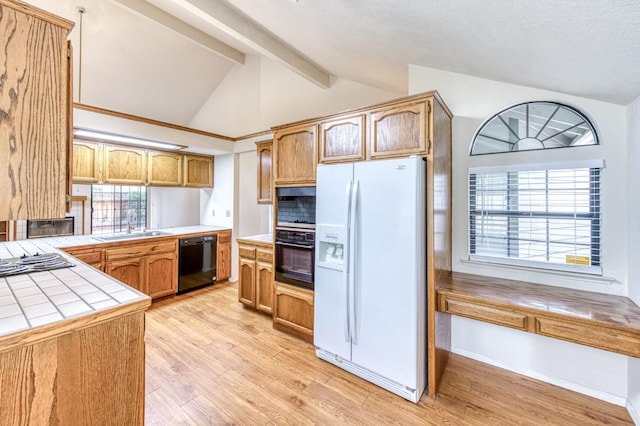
x=132, y=236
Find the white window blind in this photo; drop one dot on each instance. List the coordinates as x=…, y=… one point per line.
x=541, y=217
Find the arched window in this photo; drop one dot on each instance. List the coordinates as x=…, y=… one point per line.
x=538, y=215
x=534, y=125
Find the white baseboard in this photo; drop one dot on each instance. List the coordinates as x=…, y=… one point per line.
x=604, y=396
x=634, y=414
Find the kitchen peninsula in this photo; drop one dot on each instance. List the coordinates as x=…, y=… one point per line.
x=72, y=339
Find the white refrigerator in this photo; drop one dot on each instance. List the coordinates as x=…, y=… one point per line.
x=370, y=279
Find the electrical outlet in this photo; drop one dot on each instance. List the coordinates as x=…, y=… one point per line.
x=228, y=213
x=213, y=212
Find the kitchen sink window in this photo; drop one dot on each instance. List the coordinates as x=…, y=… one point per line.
x=545, y=215
x=118, y=208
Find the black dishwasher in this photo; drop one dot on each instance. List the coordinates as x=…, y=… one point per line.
x=197, y=262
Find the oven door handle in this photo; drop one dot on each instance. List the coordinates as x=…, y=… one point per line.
x=278, y=243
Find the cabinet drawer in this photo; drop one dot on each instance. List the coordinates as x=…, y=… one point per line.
x=139, y=250
x=264, y=256
x=89, y=257
x=484, y=313
x=247, y=253
x=224, y=237
x=602, y=338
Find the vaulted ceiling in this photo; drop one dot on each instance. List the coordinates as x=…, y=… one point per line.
x=164, y=58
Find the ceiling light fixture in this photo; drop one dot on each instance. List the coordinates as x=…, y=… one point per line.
x=100, y=136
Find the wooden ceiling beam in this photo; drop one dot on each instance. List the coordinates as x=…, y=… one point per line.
x=236, y=24
x=205, y=40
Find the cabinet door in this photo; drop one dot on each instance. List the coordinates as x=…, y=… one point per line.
x=129, y=271
x=246, y=282
x=124, y=165
x=265, y=176
x=223, y=257
x=165, y=168
x=264, y=287
x=295, y=156
x=162, y=274
x=293, y=310
x=399, y=130
x=342, y=140
x=34, y=137
x=198, y=171
x=86, y=162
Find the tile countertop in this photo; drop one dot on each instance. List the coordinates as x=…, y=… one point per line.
x=39, y=299
x=259, y=238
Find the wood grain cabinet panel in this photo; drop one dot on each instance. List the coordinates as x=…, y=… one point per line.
x=129, y=271
x=293, y=310
x=162, y=274
x=34, y=109
x=86, y=162
x=265, y=173
x=295, y=155
x=342, y=140
x=198, y=171
x=165, y=168
x=223, y=256
x=399, y=130
x=255, y=283
x=474, y=310
x=123, y=165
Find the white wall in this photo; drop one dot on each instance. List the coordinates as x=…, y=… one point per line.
x=634, y=245
x=173, y=207
x=262, y=93
x=216, y=205
x=254, y=218
x=472, y=100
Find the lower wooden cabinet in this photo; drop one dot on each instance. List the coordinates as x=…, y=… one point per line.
x=223, y=256
x=151, y=268
x=255, y=275
x=293, y=310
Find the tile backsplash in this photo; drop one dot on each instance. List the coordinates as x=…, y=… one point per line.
x=300, y=208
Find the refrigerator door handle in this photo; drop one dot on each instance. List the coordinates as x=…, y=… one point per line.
x=345, y=271
x=354, y=251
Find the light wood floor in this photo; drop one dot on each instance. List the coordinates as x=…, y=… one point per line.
x=209, y=361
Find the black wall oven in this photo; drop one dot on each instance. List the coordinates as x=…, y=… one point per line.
x=294, y=256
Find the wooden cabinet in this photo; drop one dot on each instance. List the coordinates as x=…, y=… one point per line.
x=34, y=110
x=4, y=230
x=165, y=168
x=295, y=155
x=342, y=139
x=124, y=165
x=86, y=162
x=159, y=267
x=150, y=267
x=88, y=371
x=399, y=130
x=223, y=256
x=91, y=255
x=255, y=280
x=265, y=175
x=293, y=310
x=198, y=171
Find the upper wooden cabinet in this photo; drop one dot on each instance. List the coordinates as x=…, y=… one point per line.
x=265, y=175
x=198, y=171
x=165, y=168
x=86, y=162
x=342, y=139
x=34, y=110
x=123, y=165
x=399, y=130
x=103, y=163
x=295, y=155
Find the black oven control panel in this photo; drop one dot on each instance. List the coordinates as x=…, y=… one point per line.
x=296, y=237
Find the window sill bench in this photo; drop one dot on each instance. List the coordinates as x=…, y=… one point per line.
x=602, y=321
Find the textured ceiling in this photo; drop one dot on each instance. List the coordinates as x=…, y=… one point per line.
x=588, y=48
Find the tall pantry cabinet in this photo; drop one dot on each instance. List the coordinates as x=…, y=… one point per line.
x=35, y=109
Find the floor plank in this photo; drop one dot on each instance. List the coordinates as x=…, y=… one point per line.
x=211, y=362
